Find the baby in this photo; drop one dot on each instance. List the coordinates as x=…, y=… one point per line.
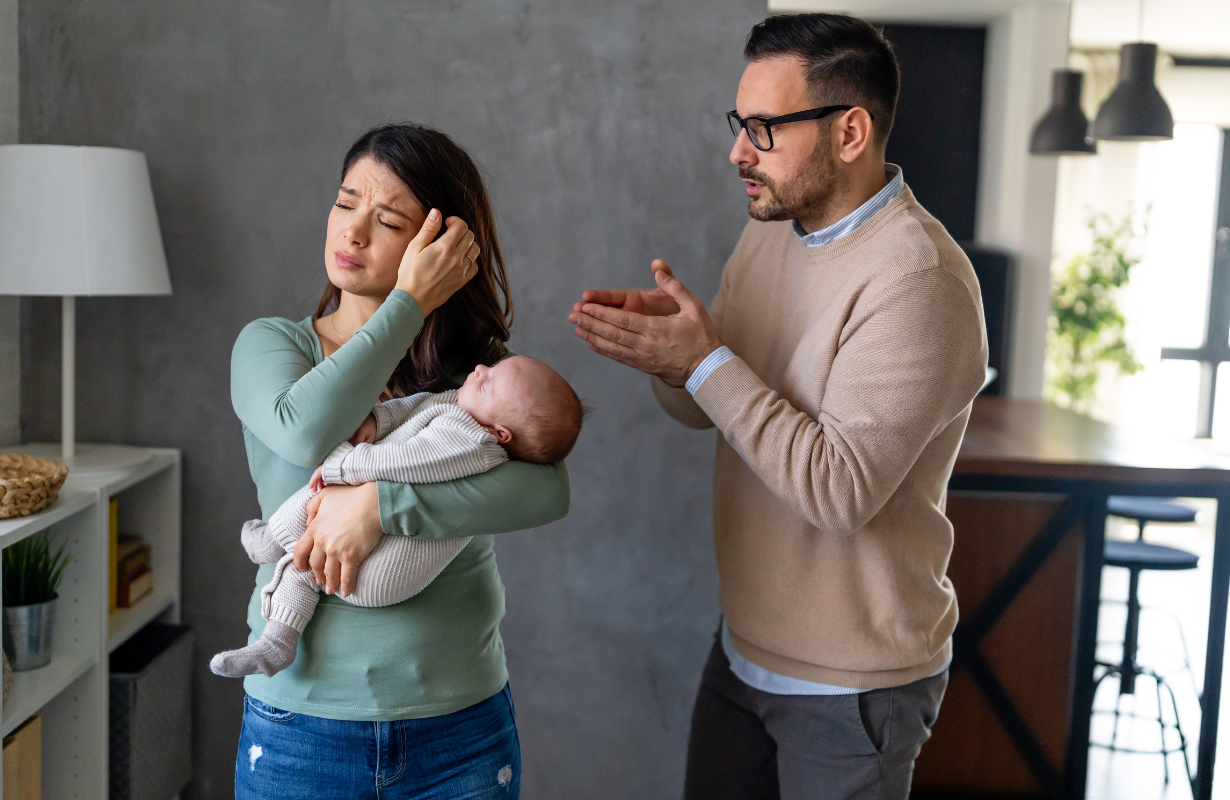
x=520, y=408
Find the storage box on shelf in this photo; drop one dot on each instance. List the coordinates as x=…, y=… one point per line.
x=151, y=723
x=71, y=693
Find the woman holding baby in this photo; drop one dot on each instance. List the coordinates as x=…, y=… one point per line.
x=408, y=700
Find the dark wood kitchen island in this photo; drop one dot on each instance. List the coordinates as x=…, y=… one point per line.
x=1027, y=501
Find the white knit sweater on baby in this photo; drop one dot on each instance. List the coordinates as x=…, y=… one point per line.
x=424, y=438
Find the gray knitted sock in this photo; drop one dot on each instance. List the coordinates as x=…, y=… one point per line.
x=260, y=545
x=270, y=654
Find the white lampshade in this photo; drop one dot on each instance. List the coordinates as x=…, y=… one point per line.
x=78, y=221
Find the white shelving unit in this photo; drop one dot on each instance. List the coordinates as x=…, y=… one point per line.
x=71, y=692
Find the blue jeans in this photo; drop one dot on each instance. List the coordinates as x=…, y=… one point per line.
x=472, y=753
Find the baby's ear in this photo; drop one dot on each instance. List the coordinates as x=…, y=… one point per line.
x=503, y=435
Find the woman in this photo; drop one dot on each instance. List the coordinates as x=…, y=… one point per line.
x=413, y=313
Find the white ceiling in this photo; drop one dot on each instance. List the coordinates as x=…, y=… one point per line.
x=1184, y=27
x=969, y=12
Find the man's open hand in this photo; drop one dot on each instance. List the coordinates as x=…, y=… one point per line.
x=664, y=331
x=651, y=302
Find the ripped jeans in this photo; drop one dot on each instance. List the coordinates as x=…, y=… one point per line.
x=472, y=753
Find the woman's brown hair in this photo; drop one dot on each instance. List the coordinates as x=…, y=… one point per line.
x=472, y=326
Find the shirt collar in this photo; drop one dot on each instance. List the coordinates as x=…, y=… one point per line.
x=847, y=224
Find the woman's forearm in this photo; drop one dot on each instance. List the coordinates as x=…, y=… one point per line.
x=512, y=497
x=301, y=411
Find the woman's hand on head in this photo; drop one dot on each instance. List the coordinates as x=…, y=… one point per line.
x=431, y=271
x=343, y=529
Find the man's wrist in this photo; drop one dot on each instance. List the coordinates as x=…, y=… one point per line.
x=706, y=368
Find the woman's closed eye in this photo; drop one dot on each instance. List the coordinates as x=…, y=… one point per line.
x=343, y=206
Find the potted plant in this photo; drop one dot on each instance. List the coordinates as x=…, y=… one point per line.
x=1087, y=325
x=31, y=573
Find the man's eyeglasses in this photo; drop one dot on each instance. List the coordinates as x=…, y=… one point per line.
x=760, y=130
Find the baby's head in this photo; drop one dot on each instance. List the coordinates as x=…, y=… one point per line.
x=531, y=409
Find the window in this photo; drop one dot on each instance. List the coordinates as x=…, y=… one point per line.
x=1175, y=187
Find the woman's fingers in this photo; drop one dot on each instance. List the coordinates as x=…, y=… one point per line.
x=459, y=249
x=456, y=231
x=346, y=530
x=303, y=551
x=350, y=577
x=312, y=507
x=317, y=563
x=431, y=275
x=428, y=231
x=333, y=573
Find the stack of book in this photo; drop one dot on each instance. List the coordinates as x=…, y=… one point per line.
x=131, y=576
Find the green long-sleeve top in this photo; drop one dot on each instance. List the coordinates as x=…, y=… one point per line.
x=439, y=651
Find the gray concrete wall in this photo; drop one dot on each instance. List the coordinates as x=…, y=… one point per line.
x=10, y=365
x=600, y=126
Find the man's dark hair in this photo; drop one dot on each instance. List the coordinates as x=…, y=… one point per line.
x=847, y=61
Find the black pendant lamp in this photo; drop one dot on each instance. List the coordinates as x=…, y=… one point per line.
x=1135, y=110
x=1064, y=128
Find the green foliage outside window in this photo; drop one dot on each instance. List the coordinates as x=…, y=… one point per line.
x=1086, y=326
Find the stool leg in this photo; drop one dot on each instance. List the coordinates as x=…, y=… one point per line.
x=1187, y=765
x=1127, y=674
x=1161, y=725
x=1114, y=731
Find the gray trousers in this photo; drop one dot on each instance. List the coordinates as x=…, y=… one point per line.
x=747, y=744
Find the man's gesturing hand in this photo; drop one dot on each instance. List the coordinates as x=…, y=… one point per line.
x=664, y=331
x=653, y=302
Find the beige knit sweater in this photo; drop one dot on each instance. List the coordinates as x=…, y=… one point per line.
x=841, y=418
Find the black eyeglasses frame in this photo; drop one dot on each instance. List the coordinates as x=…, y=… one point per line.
x=738, y=123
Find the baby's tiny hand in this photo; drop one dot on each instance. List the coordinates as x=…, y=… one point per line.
x=318, y=480
x=366, y=434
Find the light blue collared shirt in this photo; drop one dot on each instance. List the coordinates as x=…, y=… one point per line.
x=755, y=675
x=842, y=227
x=847, y=224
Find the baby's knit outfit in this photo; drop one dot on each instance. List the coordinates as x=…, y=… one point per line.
x=424, y=438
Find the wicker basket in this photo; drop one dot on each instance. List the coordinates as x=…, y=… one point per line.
x=28, y=484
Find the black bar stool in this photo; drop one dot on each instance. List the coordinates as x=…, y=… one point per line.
x=1136, y=557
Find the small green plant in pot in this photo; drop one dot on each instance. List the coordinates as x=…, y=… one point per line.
x=1086, y=324
x=31, y=572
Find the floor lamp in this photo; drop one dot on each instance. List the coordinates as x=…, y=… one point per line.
x=77, y=222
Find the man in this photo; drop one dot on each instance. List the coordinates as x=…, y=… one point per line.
x=839, y=361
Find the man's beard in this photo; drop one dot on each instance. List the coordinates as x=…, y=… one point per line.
x=806, y=196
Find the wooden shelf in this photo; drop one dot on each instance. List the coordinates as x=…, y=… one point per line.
x=126, y=621
x=33, y=689
x=72, y=499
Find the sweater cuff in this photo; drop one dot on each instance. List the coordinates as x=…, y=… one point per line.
x=712, y=361
x=389, y=518
x=385, y=422
x=728, y=391
x=332, y=469
x=404, y=299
